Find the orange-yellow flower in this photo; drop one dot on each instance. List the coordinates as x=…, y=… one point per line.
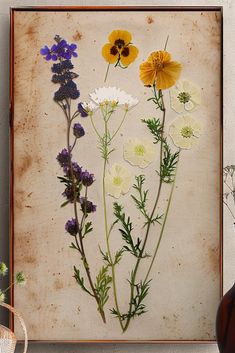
x=120, y=49
x=160, y=70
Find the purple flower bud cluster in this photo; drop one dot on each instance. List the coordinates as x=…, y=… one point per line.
x=63, y=158
x=82, y=178
x=87, y=178
x=78, y=130
x=71, y=227
x=87, y=206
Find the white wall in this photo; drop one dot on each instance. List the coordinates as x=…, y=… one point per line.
x=229, y=157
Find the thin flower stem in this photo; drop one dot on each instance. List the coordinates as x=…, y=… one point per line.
x=75, y=141
x=81, y=246
x=163, y=224
x=106, y=74
x=152, y=213
x=119, y=127
x=9, y=287
x=94, y=127
x=107, y=232
x=166, y=42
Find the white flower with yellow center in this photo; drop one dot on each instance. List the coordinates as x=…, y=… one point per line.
x=89, y=107
x=118, y=180
x=113, y=97
x=139, y=152
x=185, y=96
x=185, y=131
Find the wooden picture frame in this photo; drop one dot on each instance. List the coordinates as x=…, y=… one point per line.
x=28, y=25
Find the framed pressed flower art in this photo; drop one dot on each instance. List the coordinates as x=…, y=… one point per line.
x=116, y=172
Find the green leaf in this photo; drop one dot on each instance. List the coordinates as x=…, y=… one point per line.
x=87, y=229
x=126, y=231
x=80, y=280
x=105, y=256
x=141, y=200
x=155, y=127
x=118, y=256
x=168, y=166
x=102, y=285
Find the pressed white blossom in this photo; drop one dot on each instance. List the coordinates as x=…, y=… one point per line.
x=139, y=152
x=185, y=96
x=114, y=97
x=3, y=269
x=185, y=131
x=2, y=296
x=118, y=180
x=89, y=107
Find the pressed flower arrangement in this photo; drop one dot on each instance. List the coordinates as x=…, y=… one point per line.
x=161, y=75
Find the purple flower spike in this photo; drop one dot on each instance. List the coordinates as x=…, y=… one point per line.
x=69, y=90
x=63, y=158
x=87, y=206
x=78, y=130
x=72, y=227
x=87, y=178
x=77, y=171
x=82, y=111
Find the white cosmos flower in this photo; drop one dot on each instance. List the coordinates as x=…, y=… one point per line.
x=113, y=96
x=118, y=181
x=185, y=131
x=90, y=107
x=185, y=96
x=140, y=152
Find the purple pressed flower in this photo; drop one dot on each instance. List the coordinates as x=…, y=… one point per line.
x=68, y=90
x=63, y=158
x=87, y=178
x=78, y=130
x=87, y=206
x=72, y=227
x=68, y=193
x=61, y=50
x=77, y=171
x=82, y=111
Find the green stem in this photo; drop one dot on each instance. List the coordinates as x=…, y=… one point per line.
x=107, y=233
x=94, y=127
x=106, y=74
x=81, y=247
x=152, y=213
x=119, y=127
x=163, y=225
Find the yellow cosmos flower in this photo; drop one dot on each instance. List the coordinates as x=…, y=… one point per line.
x=120, y=49
x=160, y=70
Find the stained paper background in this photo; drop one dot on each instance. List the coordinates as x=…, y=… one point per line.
x=185, y=290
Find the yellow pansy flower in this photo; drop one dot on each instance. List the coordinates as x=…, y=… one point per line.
x=160, y=70
x=120, y=50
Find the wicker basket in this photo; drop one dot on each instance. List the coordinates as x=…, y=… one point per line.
x=7, y=337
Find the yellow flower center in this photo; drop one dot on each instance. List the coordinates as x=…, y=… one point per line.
x=157, y=62
x=184, y=97
x=187, y=131
x=117, y=181
x=139, y=150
